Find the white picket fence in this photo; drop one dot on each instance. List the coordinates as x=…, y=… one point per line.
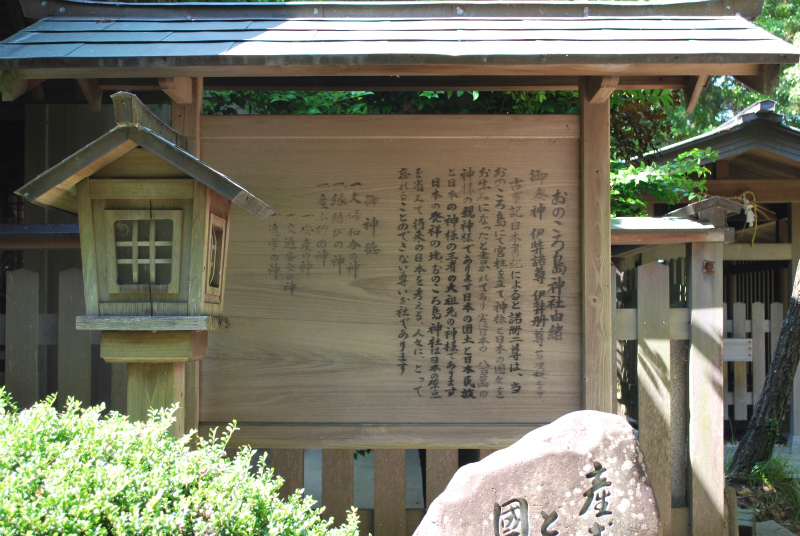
x=748, y=347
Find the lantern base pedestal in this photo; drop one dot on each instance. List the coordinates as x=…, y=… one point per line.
x=158, y=365
x=157, y=385
x=153, y=347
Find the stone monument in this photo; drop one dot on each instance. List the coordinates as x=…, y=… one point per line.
x=582, y=474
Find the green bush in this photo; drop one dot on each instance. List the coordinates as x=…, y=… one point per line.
x=80, y=472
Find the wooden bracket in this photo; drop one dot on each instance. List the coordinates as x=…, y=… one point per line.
x=129, y=109
x=12, y=87
x=599, y=89
x=91, y=92
x=694, y=88
x=179, y=89
x=765, y=81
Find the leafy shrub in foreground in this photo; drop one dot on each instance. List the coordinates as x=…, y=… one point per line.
x=79, y=472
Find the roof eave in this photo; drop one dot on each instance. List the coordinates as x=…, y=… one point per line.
x=749, y=9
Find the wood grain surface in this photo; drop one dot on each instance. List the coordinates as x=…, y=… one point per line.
x=338, y=306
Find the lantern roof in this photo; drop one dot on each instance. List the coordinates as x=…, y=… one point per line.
x=56, y=187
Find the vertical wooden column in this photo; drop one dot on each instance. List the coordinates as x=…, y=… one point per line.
x=186, y=120
x=22, y=337
x=653, y=358
x=596, y=247
x=706, y=456
x=74, y=347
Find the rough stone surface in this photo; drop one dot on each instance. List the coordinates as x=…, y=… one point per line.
x=582, y=474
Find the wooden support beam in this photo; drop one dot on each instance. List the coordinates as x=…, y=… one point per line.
x=600, y=88
x=91, y=92
x=694, y=90
x=596, y=250
x=178, y=88
x=12, y=87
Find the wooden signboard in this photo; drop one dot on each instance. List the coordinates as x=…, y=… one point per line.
x=421, y=285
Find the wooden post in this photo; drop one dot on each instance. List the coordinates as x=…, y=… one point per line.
x=654, y=383
x=706, y=455
x=156, y=385
x=596, y=249
x=74, y=347
x=186, y=120
x=22, y=333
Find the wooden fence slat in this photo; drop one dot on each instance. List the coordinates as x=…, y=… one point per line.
x=390, y=492
x=739, y=368
x=706, y=450
x=485, y=452
x=758, y=334
x=74, y=347
x=413, y=519
x=47, y=332
x=440, y=466
x=288, y=463
x=22, y=346
x=337, y=483
x=653, y=357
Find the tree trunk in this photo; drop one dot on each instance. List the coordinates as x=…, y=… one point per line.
x=762, y=431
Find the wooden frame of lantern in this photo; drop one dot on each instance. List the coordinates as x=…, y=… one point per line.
x=154, y=224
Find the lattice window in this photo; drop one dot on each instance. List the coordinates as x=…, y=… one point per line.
x=144, y=249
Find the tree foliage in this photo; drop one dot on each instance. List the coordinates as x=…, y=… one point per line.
x=680, y=180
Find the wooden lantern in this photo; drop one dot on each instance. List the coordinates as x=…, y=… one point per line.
x=154, y=224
